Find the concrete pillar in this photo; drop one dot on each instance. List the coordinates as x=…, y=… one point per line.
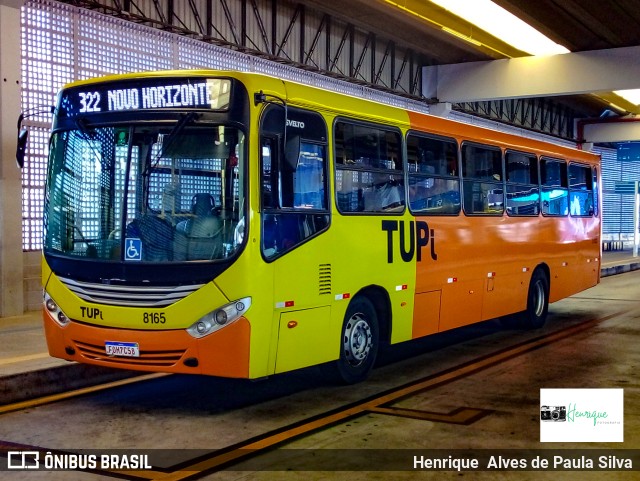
x=11, y=268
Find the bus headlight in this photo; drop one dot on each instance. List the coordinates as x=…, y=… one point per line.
x=219, y=318
x=53, y=309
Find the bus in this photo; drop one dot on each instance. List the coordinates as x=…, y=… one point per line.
x=234, y=224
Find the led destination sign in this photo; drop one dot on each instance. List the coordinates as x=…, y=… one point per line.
x=149, y=95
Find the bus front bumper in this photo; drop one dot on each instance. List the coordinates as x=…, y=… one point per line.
x=223, y=353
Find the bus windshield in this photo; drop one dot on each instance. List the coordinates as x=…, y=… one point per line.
x=168, y=192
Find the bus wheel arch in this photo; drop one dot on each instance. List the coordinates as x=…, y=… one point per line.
x=547, y=272
x=379, y=297
x=363, y=328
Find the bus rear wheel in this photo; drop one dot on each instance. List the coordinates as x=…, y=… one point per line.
x=358, y=343
x=535, y=315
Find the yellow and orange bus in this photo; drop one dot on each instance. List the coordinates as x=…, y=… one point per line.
x=234, y=224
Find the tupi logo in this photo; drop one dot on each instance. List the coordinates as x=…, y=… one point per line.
x=418, y=236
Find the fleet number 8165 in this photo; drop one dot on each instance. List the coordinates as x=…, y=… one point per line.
x=154, y=318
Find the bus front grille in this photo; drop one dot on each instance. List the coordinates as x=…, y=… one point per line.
x=131, y=296
x=147, y=358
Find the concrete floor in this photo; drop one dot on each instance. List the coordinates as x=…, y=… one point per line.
x=24, y=348
x=604, y=355
x=474, y=388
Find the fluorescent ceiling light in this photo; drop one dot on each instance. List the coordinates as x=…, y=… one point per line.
x=632, y=96
x=506, y=27
x=501, y=24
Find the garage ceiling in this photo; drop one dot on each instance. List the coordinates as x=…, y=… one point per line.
x=582, y=25
x=414, y=26
x=578, y=25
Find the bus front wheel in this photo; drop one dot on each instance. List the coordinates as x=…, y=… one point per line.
x=358, y=343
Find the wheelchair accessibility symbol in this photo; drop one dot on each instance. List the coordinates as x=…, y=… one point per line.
x=132, y=249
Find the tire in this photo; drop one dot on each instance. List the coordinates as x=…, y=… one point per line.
x=535, y=315
x=359, y=342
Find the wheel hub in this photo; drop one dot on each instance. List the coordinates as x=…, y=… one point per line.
x=538, y=299
x=357, y=339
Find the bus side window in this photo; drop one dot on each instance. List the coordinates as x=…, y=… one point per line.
x=434, y=185
x=523, y=193
x=269, y=175
x=594, y=187
x=581, y=202
x=555, y=195
x=369, y=168
x=482, y=185
x=308, y=177
x=293, y=180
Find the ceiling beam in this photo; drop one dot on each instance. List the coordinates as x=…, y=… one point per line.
x=537, y=76
x=608, y=130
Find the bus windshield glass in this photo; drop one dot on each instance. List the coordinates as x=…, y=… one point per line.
x=162, y=192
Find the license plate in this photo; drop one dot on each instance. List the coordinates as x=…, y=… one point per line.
x=125, y=349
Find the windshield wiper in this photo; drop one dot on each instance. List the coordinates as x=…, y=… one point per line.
x=171, y=137
x=84, y=127
x=88, y=134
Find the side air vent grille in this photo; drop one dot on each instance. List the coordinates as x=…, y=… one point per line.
x=325, y=279
x=132, y=296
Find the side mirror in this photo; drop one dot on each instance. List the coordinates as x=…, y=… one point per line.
x=23, y=133
x=23, y=136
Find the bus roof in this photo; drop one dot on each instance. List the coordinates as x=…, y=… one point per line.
x=342, y=104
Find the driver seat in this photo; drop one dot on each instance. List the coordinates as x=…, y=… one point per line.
x=203, y=231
